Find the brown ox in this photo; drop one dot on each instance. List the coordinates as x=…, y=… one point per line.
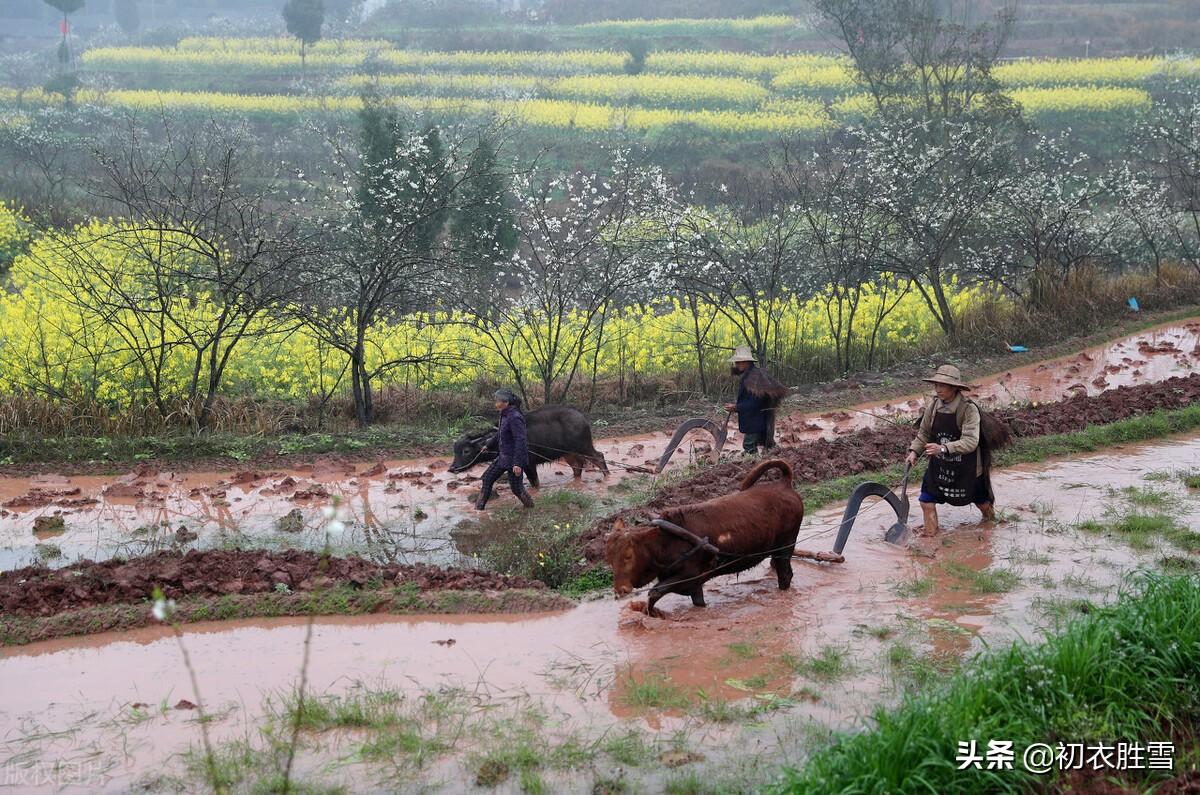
x=746, y=528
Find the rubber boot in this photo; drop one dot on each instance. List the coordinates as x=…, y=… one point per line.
x=525, y=499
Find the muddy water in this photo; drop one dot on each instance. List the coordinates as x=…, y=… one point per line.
x=584, y=664
x=404, y=510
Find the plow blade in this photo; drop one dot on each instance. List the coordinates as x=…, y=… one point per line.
x=719, y=434
x=897, y=532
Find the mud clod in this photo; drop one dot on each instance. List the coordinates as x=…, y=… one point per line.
x=49, y=526
x=292, y=522
x=41, y=591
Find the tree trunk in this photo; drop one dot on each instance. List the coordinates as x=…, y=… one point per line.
x=945, y=314
x=698, y=340
x=356, y=380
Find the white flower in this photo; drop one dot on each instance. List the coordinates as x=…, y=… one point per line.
x=328, y=511
x=337, y=526
x=163, y=609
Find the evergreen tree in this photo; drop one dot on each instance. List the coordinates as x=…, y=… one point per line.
x=66, y=7
x=402, y=182
x=304, y=19
x=483, y=228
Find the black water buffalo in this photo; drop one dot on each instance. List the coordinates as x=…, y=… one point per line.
x=554, y=432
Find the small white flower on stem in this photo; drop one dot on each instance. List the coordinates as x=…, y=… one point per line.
x=163, y=609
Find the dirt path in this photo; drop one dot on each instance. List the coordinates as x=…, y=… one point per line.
x=402, y=511
x=586, y=669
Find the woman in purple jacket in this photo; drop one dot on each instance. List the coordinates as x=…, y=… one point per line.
x=514, y=451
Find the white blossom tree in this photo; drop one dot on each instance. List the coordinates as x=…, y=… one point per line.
x=741, y=260
x=388, y=253
x=930, y=181
x=1046, y=222
x=1168, y=143
x=586, y=245
x=1148, y=222
x=843, y=237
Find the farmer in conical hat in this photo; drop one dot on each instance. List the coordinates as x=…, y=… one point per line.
x=758, y=398
x=949, y=433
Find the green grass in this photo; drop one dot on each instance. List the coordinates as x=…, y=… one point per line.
x=523, y=743
x=1030, y=556
x=1062, y=608
x=1128, y=670
x=390, y=727
x=629, y=748
x=22, y=448
x=879, y=632
x=916, y=671
x=653, y=691
x=1190, y=479
x=1146, y=497
x=828, y=665
x=589, y=581
x=543, y=543
x=244, y=766
x=1154, y=425
x=986, y=580
x=369, y=709
x=610, y=785
x=1178, y=564
x=1142, y=530
x=742, y=650
x=912, y=589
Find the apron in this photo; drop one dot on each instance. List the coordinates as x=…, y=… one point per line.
x=952, y=476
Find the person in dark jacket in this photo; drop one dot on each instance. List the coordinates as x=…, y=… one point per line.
x=514, y=451
x=758, y=398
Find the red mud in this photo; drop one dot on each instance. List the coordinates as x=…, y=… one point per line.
x=36, y=590
x=868, y=450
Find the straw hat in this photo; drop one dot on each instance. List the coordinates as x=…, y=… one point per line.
x=947, y=374
x=742, y=354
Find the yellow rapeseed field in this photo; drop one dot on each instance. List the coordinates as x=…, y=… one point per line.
x=719, y=91
x=55, y=345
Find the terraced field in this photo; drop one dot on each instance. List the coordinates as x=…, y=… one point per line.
x=718, y=92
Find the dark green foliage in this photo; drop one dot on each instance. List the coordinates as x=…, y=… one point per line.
x=66, y=6
x=636, y=62
x=483, y=227
x=304, y=19
x=401, y=185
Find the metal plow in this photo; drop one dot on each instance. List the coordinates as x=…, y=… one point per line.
x=897, y=532
x=719, y=433
x=898, y=499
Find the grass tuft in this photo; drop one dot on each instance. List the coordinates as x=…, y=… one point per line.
x=830, y=664
x=1128, y=670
